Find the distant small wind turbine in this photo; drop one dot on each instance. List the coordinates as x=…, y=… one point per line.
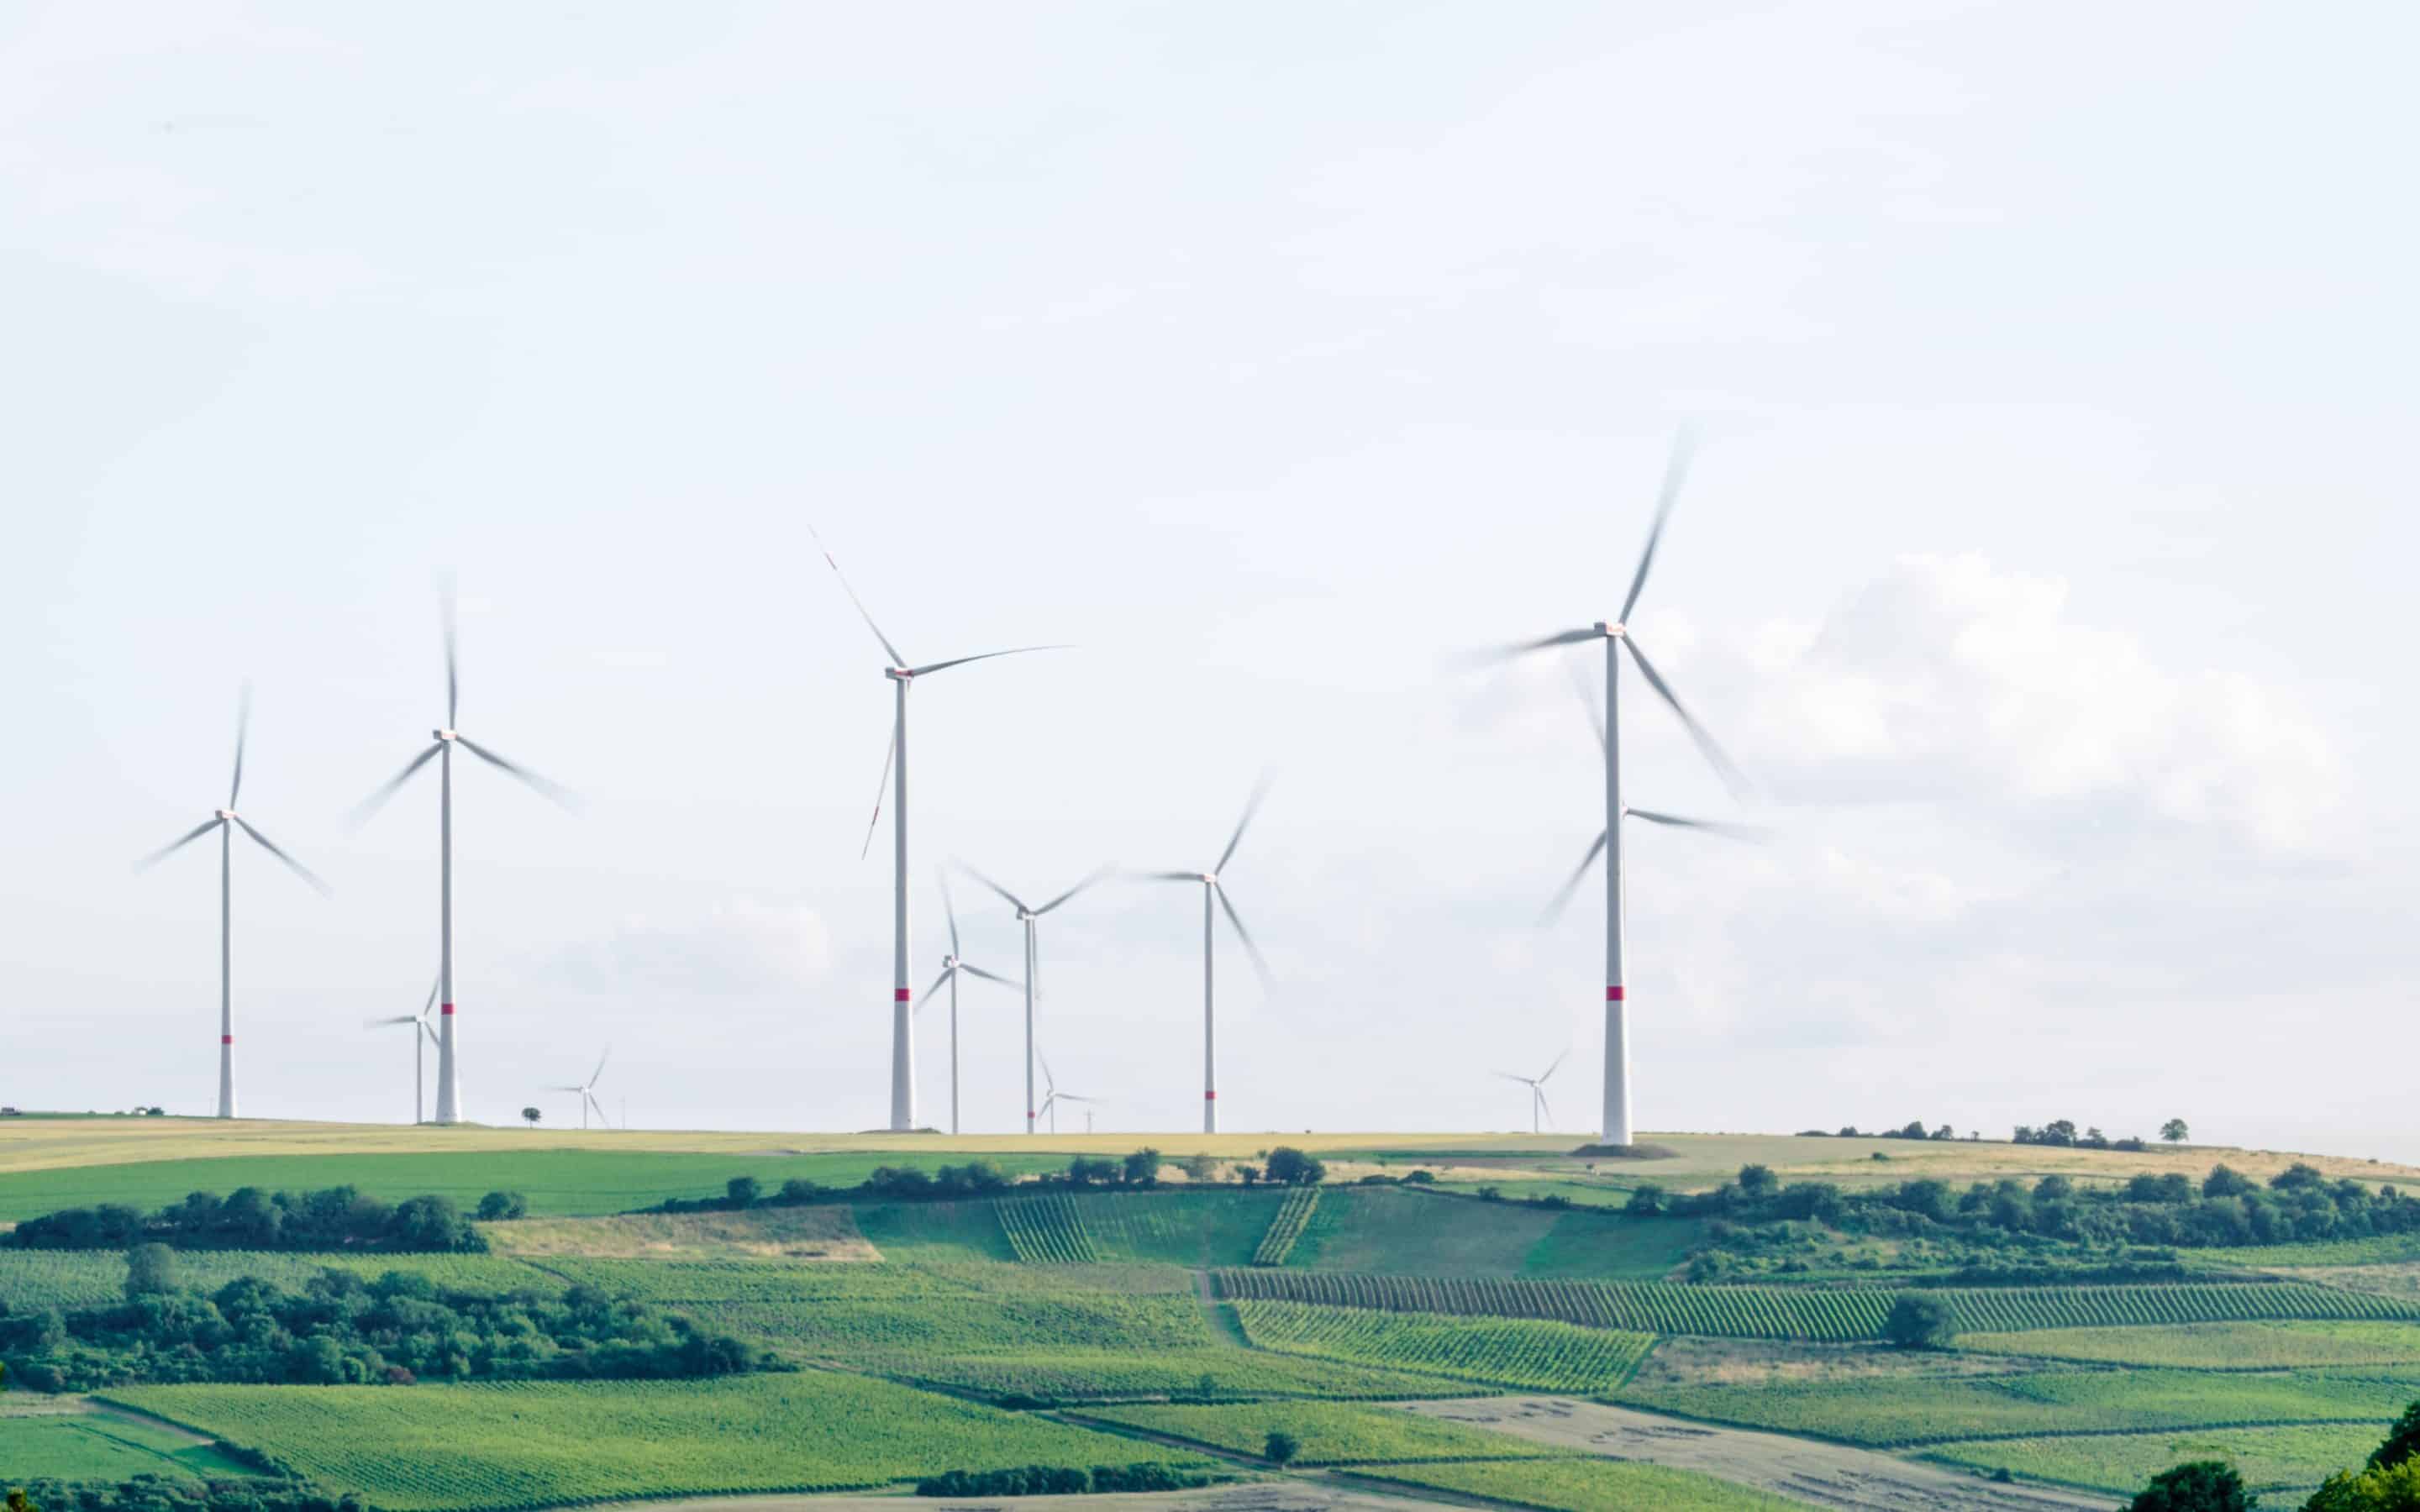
x=227, y=821
x=423, y=1037
x=951, y=965
x=449, y=1102
x=1213, y=891
x=1537, y=1086
x=1050, y=1102
x=1027, y=917
x=587, y=1092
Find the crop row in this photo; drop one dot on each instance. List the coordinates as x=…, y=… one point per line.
x=1531, y=1354
x=1291, y=1218
x=1048, y=1230
x=1778, y=1313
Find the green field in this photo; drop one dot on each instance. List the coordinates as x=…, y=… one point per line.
x=1393, y=1229
x=1587, y=1485
x=2381, y=1249
x=1331, y=1433
x=82, y=1444
x=1049, y=1229
x=32, y=1279
x=1286, y=1227
x=2216, y=1346
x=1782, y=1313
x=1526, y=1354
x=555, y=1180
x=462, y=1448
x=1221, y=1374
x=1887, y=1412
x=2270, y=1459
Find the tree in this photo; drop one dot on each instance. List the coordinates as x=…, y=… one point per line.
x=2198, y=1486
x=532, y=1116
x=151, y=1272
x=1085, y=1170
x=1646, y=1200
x=1291, y=1167
x=499, y=1205
x=1248, y=1175
x=1757, y=1180
x=742, y=1192
x=1281, y=1447
x=2402, y=1440
x=2372, y=1490
x=20, y=1502
x=2175, y=1131
x=1141, y=1168
x=1916, y=1321
x=1200, y=1168
x=2226, y=1182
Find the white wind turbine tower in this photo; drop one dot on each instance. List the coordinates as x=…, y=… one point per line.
x=422, y=1038
x=227, y=821
x=952, y=965
x=1537, y=1086
x=1617, y=638
x=1213, y=891
x=449, y=1108
x=587, y=1092
x=1050, y=1102
x=1029, y=916
x=894, y=766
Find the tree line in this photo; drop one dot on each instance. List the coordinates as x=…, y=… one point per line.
x=339, y=1329
x=335, y=1218
x=1138, y=1172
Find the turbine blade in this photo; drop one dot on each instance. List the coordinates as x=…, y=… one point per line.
x=888, y=649
x=299, y=870
x=1510, y=1077
x=960, y=661
x=1589, y=694
x=948, y=907
x=1551, y=1070
x=434, y=984
x=1099, y=872
x=1676, y=469
x=177, y=844
x=1250, y=947
x=1544, y=1106
x=399, y=1018
x=242, y=728
x=1724, y=766
x=600, y=1066
x=1165, y=876
x=1014, y=900
x=453, y=676
x=1750, y=833
x=1564, y=894
x=1522, y=648
x=1251, y=806
x=553, y=792
x=601, y=1119
x=936, y=987
x=880, y=788
x=363, y=810
x=1049, y=1083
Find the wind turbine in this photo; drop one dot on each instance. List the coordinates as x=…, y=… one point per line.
x=1050, y=1102
x=951, y=965
x=1212, y=891
x=449, y=1106
x=1537, y=1086
x=587, y=1092
x=894, y=763
x=227, y=821
x=1618, y=636
x=423, y=1037
x=1028, y=916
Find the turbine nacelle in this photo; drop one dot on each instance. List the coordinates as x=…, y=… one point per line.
x=224, y=813
x=445, y=734
x=1611, y=630
x=899, y=674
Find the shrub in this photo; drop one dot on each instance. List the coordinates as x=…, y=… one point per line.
x=2198, y=1486
x=151, y=1270
x=1919, y=1322
x=1291, y=1167
x=1281, y=1447
x=496, y=1206
x=1646, y=1200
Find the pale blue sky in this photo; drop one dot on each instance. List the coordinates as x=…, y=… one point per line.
x=2045, y=558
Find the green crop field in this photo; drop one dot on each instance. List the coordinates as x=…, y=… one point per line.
x=463, y=1448
x=1215, y=1374
x=1286, y=1226
x=1529, y=1355
x=83, y=1445
x=1331, y=1433
x=1781, y=1312
x=2216, y=1346
x=1181, y=1227
x=1394, y=1229
x=1890, y=1412
x=1586, y=1484
x=1049, y=1229
x=935, y=1230
x=31, y=1279
x=2270, y=1459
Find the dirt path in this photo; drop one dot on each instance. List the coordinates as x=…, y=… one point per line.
x=1808, y=1469
x=1222, y=1318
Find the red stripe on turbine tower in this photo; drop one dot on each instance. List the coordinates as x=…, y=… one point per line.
x=227, y=1039
x=1208, y=1096
x=1613, y=994
x=899, y=995
x=447, y=1010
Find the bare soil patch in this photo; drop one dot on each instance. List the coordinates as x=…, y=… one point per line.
x=1687, y=1360
x=823, y=1233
